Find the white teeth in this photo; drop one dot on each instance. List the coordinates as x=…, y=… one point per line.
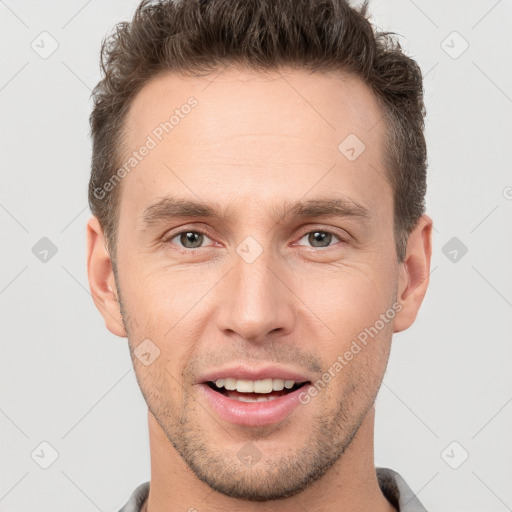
x=288, y=384
x=278, y=384
x=230, y=384
x=263, y=386
x=254, y=386
x=259, y=399
x=245, y=386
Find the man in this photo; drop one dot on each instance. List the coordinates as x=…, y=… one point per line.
x=258, y=183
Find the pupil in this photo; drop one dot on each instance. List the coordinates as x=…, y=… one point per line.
x=192, y=237
x=320, y=236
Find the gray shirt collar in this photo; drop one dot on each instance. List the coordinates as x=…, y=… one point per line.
x=392, y=485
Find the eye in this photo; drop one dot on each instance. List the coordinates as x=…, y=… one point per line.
x=194, y=239
x=188, y=239
x=321, y=238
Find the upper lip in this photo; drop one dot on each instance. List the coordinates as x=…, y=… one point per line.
x=242, y=371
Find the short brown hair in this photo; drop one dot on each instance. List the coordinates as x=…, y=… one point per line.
x=199, y=36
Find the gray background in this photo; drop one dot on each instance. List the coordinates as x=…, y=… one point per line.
x=67, y=381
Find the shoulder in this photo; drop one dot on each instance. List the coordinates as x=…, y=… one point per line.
x=397, y=492
x=136, y=499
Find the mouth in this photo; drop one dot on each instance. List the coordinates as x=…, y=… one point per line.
x=253, y=403
x=252, y=395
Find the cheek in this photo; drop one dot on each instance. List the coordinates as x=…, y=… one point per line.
x=355, y=348
x=168, y=308
x=347, y=300
x=355, y=367
x=158, y=297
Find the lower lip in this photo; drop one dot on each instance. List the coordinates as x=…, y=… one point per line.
x=253, y=414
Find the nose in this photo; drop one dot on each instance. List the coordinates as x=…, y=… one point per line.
x=257, y=303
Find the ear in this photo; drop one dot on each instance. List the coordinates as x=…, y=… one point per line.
x=414, y=273
x=101, y=279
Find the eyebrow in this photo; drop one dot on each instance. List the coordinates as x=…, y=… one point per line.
x=170, y=207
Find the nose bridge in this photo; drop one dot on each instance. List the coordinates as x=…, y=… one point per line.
x=258, y=302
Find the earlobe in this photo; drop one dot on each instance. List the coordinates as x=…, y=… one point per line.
x=101, y=279
x=414, y=273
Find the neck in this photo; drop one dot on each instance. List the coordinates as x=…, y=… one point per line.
x=350, y=484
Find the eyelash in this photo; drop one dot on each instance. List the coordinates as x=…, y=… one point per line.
x=171, y=237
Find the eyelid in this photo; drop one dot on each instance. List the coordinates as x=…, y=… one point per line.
x=170, y=235
x=322, y=229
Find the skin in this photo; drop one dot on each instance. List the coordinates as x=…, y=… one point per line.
x=253, y=143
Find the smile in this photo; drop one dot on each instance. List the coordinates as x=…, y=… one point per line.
x=253, y=403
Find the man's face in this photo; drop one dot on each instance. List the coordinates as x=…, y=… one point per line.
x=254, y=288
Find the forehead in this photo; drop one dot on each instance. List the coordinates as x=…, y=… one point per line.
x=241, y=132
x=237, y=101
